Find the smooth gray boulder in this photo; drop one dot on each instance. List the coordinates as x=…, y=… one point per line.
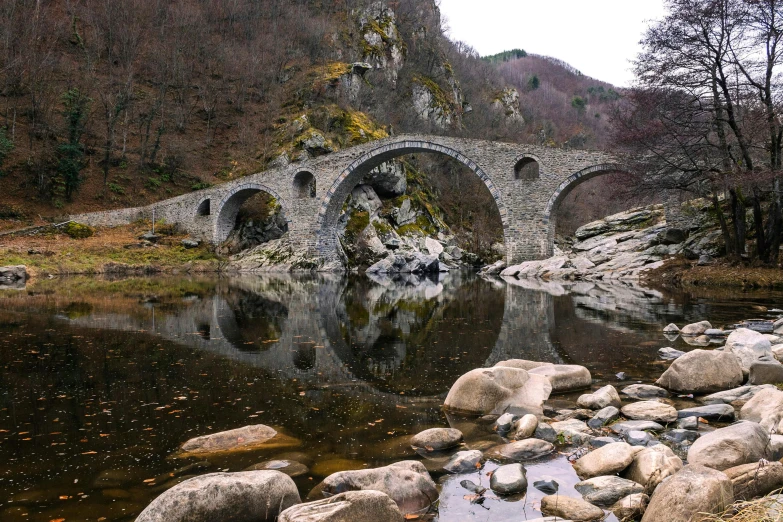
x=524, y=427
x=510, y=479
x=599, y=399
x=346, y=507
x=247, y=496
x=527, y=449
x=703, y=371
x=695, y=329
x=734, y=445
x=565, y=377
x=765, y=372
x=644, y=391
x=407, y=483
x=607, y=460
x=607, y=489
x=765, y=408
x=499, y=390
x=710, y=412
x=573, y=431
x=464, y=461
x=570, y=508
x=436, y=439
x=603, y=417
x=749, y=346
x=649, y=411
x=688, y=493
x=681, y=435
x=743, y=393
x=638, y=438
x=651, y=465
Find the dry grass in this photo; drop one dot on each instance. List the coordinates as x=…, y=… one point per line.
x=751, y=511
x=680, y=272
x=108, y=249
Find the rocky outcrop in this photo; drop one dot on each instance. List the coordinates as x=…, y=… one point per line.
x=248, y=496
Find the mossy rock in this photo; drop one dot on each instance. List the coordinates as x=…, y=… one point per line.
x=79, y=231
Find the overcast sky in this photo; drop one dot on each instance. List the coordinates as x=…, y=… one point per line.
x=598, y=38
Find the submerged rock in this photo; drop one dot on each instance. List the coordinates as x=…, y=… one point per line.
x=437, y=439
x=248, y=496
x=528, y=449
x=246, y=438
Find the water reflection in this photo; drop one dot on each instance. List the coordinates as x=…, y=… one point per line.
x=100, y=381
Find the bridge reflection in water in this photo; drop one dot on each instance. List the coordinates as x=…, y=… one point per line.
x=410, y=334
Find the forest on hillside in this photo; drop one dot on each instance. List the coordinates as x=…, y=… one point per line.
x=123, y=102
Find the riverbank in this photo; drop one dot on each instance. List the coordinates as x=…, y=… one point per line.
x=681, y=273
x=107, y=251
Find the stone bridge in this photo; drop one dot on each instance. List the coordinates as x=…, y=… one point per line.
x=527, y=183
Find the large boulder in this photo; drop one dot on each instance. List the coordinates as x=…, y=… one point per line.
x=686, y=495
x=497, y=390
x=765, y=408
x=731, y=446
x=702, y=371
x=607, y=489
x=346, y=507
x=607, y=460
x=755, y=479
x=749, y=346
x=599, y=399
x=651, y=465
x=406, y=482
x=247, y=438
x=247, y=496
x=570, y=508
x=695, y=329
x=436, y=439
x=565, y=377
x=650, y=411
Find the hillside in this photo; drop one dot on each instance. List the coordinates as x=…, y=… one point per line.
x=118, y=104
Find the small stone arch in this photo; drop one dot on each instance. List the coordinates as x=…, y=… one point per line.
x=229, y=206
x=304, y=185
x=527, y=167
x=204, y=207
x=332, y=202
x=566, y=187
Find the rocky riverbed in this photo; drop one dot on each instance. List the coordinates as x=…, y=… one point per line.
x=709, y=432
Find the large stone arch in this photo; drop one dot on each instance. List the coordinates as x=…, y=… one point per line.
x=332, y=202
x=226, y=211
x=569, y=184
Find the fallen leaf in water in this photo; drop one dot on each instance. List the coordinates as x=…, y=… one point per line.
x=411, y=516
x=472, y=498
x=59, y=520
x=104, y=434
x=401, y=407
x=90, y=453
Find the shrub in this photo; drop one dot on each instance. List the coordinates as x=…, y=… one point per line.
x=78, y=231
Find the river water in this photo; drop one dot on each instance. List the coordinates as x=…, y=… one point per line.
x=101, y=381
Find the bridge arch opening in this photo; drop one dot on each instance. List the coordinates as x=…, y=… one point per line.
x=304, y=185
x=250, y=202
x=332, y=205
x=527, y=168
x=565, y=189
x=204, y=208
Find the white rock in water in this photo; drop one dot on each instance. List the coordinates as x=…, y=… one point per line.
x=694, y=329
x=671, y=328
